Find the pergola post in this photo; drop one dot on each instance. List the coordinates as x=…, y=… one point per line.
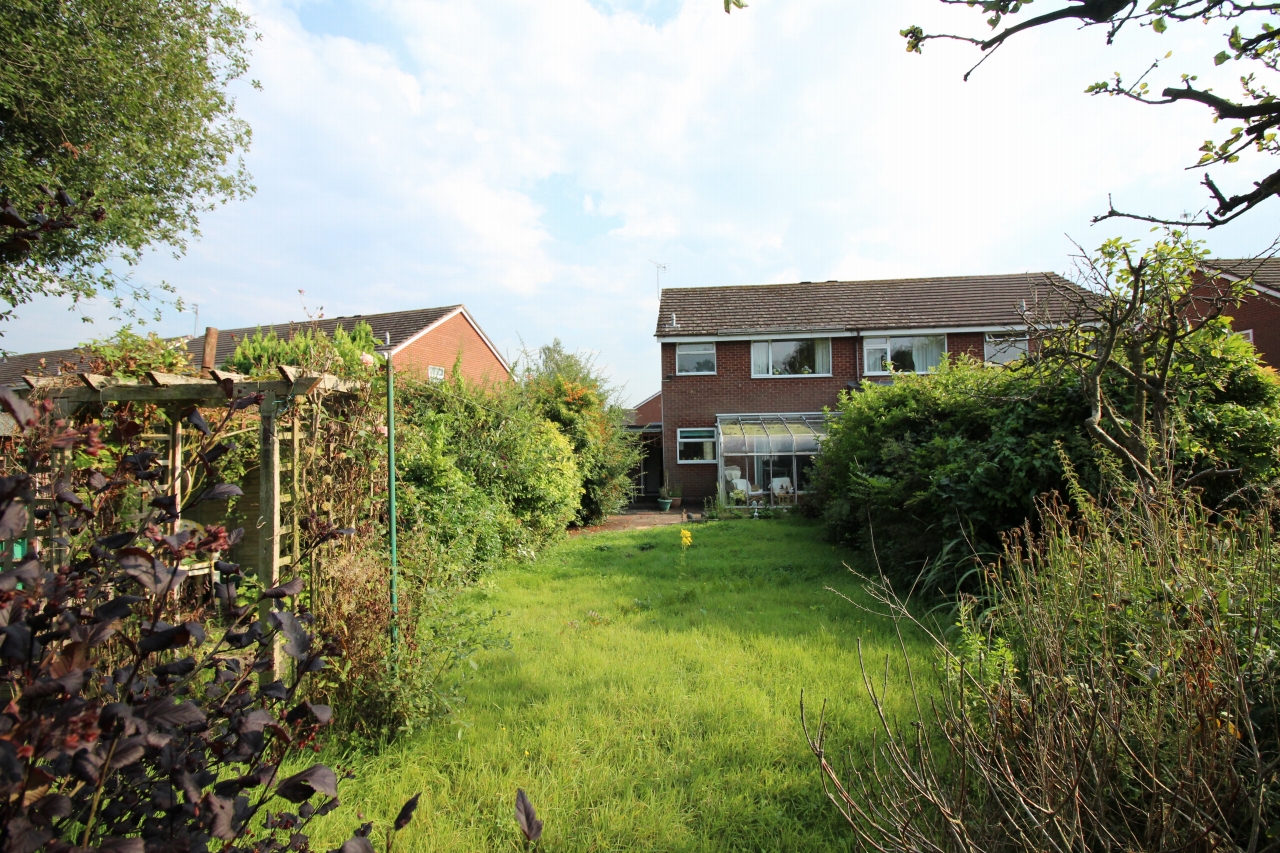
x=269, y=518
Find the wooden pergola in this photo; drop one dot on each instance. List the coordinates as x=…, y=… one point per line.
x=279, y=424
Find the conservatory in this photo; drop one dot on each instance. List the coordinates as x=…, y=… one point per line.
x=767, y=460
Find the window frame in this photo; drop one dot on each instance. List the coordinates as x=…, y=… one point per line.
x=987, y=338
x=888, y=348
x=771, y=341
x=714, y=359
x=713, y=439
x=1247, y=334
x=435, y=373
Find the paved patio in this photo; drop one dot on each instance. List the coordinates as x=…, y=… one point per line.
x=642, y=518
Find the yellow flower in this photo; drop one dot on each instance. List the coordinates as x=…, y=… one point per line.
x=686, y=538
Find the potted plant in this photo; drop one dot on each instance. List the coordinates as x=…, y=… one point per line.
x=676, y=494
x=664, y=493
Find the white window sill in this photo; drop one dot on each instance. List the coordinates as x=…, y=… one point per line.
x=898, y=373
x=696, y=461
x=791, y=375
x=696, y=374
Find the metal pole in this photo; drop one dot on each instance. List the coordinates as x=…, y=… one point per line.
x=391, y=490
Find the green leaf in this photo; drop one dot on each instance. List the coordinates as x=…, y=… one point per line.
x=1159, y=25
x=1222, y=57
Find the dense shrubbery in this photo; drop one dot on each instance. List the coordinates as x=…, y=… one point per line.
x=1116, y=690
x=933, y=469
x=569, y=391
x=480, y=471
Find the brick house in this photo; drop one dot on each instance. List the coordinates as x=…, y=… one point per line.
x=748, y=370
x=1257, y=317
x=427, y=341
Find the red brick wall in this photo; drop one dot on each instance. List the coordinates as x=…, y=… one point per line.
x=968, y=343
x=1260, y=313
x=694, y=401
x=440, y=348
x=650, y=412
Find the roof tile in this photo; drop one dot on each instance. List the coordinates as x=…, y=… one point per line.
x=911, y=303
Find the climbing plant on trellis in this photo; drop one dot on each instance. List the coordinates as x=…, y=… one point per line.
x=293, y=432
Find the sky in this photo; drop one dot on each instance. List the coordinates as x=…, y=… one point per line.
x=533, y=159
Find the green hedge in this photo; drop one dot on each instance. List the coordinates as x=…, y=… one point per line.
x=568, y=390
x=481, y=469
x=931, y=470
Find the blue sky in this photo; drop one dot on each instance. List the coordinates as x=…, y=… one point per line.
x=530, y=158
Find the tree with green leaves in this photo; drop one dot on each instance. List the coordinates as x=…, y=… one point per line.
x=117, y=130
x=1251, y=116
x=569, y=390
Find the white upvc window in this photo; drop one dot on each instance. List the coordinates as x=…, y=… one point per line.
x=435, y=374
x=696, y=359
x=803, y=357
x=1247, y=334
x=903, y=354
x=695, y=446
x=1006, y=348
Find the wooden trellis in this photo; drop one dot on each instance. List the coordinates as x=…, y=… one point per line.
x=279, y=497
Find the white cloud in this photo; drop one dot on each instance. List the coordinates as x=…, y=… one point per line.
x=788, y=141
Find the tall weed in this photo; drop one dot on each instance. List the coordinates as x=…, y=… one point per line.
x=1118, y=693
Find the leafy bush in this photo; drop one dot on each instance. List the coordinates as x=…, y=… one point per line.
x=128, y=355
x=1118, y=693
x=131, y=726
x=344, y=354
x=568, y=390
x=481, y=470
x=930, y=469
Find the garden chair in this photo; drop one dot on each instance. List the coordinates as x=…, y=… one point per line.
x=782, y=491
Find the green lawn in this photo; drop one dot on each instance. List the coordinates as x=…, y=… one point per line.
x=649, y=700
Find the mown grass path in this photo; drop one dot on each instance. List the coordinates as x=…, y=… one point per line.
x=649, y=700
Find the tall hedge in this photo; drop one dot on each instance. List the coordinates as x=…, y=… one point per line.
x=930, y=470
x=481, y=470
x=570, y=391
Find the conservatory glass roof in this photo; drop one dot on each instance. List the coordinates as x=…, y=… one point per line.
x=771, y=435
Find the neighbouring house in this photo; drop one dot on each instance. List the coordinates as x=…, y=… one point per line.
x=646, y=421
x=427, y=341
x=748, y=370
x=1257, y=317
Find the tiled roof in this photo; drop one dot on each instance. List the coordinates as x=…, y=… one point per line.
x=909, y=303
x=1264, y=271
x=401, y=325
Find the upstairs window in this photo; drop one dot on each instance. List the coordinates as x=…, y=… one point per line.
x=903, y=354
x=810, y=357
x=435, y=374
x=695, y=359
x=1003, y=349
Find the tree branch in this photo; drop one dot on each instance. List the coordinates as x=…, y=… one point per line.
x=1223, y=107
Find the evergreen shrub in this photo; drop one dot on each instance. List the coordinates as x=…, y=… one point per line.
x=931, y=470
